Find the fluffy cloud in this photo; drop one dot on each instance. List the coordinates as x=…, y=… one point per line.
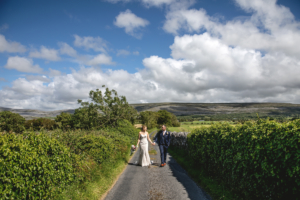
x=157, y=3
x=11, y=47
x=67, y=49
x=100, y=59
x=45, y=53
x=117, y=1
x=95, y=43
x=131, y=23
x=22, y=64
x=271, y=27
x=38, y=78
x=54, y=72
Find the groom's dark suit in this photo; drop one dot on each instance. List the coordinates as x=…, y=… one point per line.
x=163, y=141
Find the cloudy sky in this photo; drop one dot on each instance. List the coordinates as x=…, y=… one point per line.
x=54, y=52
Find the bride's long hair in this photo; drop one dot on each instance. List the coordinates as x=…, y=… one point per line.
x=144, y=126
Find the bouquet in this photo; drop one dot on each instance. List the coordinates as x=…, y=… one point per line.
x=133, y=148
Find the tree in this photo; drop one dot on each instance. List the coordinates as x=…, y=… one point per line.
x=149, y=118
x=167, y=118
x=40, y=123
x=108, y=109
x=11, y=122
x=64, y=120
x=86, y=118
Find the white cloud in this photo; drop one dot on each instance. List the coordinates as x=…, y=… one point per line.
x=67, y=49
x=157, y=3
x=54, y=72
x=271, y=27
x=45, y=53
x=117, y=1
x=131, y=23
x=11, y=47
x=100, y=59
x=22, y=64
x=95, y=43
x=123, y=52
x=38, y=78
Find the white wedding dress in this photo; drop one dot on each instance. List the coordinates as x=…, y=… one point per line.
x=144, y=158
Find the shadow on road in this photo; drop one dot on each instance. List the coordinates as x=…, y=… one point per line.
x=192, y=189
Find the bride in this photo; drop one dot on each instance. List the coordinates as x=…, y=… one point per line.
x=144, y=158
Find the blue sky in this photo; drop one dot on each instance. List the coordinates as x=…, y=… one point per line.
x=54, y=52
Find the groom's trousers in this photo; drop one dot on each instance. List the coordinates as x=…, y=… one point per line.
x=163, y=153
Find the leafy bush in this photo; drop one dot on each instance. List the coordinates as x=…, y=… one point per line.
x=98, y=147
x=125, y=128
x=33, y=166
x=258, y=159
x=149, y=118
x=11, y=122
x=40, y=123
x=156, y=119
x=86, y=118
x=64, y=121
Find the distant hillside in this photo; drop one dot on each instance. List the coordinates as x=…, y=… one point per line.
x=186, y=109
x=220, y=108
x=29, y=114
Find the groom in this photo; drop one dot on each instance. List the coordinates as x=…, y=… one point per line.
x=162, y=138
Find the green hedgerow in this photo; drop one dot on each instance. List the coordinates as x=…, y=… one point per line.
x=33, y=166
x=11, y=122
x=257, y=159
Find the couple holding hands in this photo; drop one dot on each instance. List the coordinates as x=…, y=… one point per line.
x=162, y=138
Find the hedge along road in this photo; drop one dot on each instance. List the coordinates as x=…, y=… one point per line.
x=155, y=183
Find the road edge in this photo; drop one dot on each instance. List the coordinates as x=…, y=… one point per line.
x=117, y=178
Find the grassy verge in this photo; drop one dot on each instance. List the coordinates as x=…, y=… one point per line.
x=212, y=186
x=102, y=179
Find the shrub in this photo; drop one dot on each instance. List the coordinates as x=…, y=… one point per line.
x=33, y=166
x=11, y=122
x=64, y=121
x=86, y=118
x=39, y=124
x=98, y=147
x=258, y=159
x=127, y=129
x=149, y=118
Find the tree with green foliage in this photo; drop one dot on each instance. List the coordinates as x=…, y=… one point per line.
x=86, y=118
x=64, y=121
x=39, y=124
x=11, y=122
x=149, y=118
x=167, y=118
x=108, y=108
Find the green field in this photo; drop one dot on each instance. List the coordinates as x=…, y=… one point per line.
x=189, y=126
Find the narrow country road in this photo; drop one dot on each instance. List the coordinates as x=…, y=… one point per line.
x=155, y=183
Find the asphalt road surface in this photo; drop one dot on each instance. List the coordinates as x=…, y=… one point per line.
x=155, y=183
